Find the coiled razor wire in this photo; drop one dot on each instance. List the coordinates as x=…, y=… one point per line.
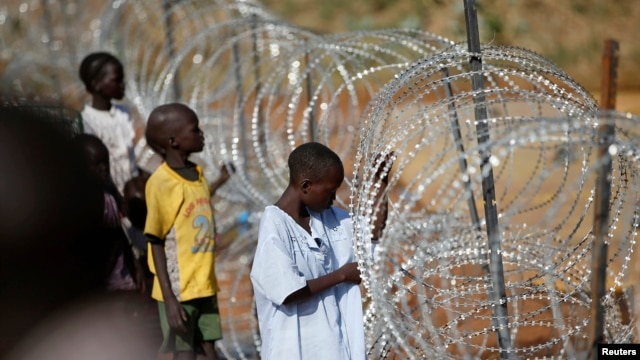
x=262, y=86
x=429, y=283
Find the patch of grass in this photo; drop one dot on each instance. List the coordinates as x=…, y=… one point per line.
x=360, y=23
x=579, y=6
x=410, y=21
x=522, y=27
x=495, y=25
x=560, y=55
x=326, y=11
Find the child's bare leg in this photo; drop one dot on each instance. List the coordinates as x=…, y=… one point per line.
x=209, y=351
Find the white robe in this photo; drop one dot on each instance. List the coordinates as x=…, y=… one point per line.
x=328, y=325
x=115, y=129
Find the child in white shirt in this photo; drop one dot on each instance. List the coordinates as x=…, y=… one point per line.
x=103, y=77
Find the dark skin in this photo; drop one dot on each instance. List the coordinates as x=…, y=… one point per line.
x=135, y=209
x=97, y=161
x=382, y=203
x=319, y=194
x=176, y=135
x=108, y=86
x=134, y=199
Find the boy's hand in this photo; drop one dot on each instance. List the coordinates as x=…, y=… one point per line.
x=140, y=280
x=387, y=159
x=175, y=314
x=226, y=170
x=351, y=273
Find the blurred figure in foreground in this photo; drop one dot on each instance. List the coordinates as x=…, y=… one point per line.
x=51, y=274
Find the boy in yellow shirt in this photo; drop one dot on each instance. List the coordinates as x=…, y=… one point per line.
x=181, y=232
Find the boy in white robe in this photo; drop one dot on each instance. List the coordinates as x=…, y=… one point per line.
x=305, y=276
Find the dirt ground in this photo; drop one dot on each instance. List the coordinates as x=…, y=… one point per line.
x=627, y=101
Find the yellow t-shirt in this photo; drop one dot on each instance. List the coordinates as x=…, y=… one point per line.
x=180, y=212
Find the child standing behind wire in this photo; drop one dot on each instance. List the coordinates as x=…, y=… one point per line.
x=181, y=231
x=103, y=77
x=305, y=275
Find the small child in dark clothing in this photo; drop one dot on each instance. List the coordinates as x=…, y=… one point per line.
x=121, y=270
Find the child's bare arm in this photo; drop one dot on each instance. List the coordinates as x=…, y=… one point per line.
x=175, y=313
x=347, y=273
x=225, y=173
x=381, y=202
x=139, y=275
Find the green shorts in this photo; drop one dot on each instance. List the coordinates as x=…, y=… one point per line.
x=203, y=324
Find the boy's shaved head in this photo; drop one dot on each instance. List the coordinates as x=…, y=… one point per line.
x=311, y=161
x=164, y=121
